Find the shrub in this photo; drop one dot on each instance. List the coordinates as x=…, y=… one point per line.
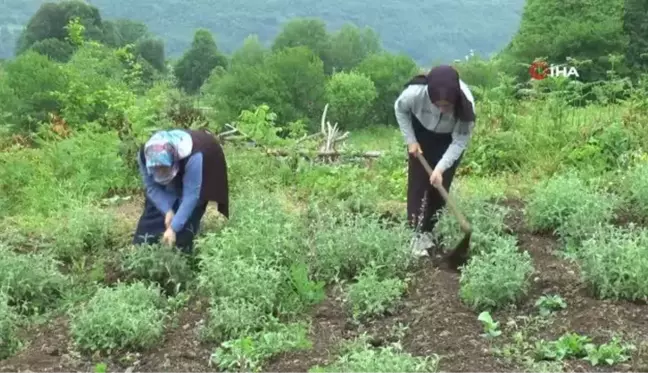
x=345, y=244
x=351, y=96
x=493, y=279
x=636, y=189
x=9, y=340
x=372, y=296
x=614, y=262
x=158, y=264
x=32, y=281
x=123, y=317
x=249, y=352
x=360, y=356
x=231, y=317
x=553, y=202
x=486, y=219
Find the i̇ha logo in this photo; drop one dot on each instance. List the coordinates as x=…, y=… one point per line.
x=540, y=70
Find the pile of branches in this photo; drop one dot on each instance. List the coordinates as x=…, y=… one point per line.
x=330, y=137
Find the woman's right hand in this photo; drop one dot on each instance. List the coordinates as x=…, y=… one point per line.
x=414, y=149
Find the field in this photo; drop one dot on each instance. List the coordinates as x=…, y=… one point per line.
x=313, y=272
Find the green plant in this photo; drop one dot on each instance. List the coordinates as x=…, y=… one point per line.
x=156, y=263
x=550, y=303
x=613, y=261
x=32, y=281
x=610, y=353
x=487, y=220
x=359, y=356
x=555, y=201
x=9, y=339
x=124, y=317
x=491, y=327
x=250, y=352
x=496, y=278
x=373, y=296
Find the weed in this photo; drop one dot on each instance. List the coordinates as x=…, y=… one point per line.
x=550, y=303
x=491, y=327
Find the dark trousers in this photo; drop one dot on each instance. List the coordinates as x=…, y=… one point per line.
x=423, y=199
x=150, y=228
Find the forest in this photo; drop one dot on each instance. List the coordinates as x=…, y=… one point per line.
x=313, y=270
x=442, y=30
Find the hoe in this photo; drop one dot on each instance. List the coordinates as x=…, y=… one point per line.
x=459, y=255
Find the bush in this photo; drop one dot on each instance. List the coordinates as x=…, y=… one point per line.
x=248, y=353
x=158, y=264
x=351, y=97
x=9, y=340
x=552, y=203
x=614, y=262
x=486, y=219
x=635, y=189
x=496, y=278
x=372, y=296
x=123, y=317
x=360, y=356
x=32, y=281
x=345, y=244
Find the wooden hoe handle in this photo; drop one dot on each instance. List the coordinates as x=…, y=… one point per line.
x=465, y=226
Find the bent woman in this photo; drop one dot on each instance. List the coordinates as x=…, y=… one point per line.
x=436, y=115
x=182, y=170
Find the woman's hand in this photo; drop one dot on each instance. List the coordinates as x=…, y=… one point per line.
x=436, y=178
x=169, y=237
x=414, y=149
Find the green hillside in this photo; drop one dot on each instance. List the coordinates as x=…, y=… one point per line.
x=426, y=30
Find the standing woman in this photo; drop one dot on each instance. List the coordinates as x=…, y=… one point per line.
x=436, y=115
x=182, y=171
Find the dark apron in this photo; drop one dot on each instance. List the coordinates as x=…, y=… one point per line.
x=423, y=200
x=150, y=228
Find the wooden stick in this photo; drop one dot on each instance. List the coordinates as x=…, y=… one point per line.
x=465, y=226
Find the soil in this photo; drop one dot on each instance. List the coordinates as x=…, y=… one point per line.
x=436, y=321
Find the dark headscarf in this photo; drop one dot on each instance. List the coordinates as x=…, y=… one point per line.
x=443, y=84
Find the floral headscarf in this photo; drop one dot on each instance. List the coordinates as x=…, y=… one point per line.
x=166, y=148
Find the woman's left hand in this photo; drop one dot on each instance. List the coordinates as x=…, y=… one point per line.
x=436, y=178
x=169, y=237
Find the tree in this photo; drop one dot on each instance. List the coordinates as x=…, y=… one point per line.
x=51, y=19
x=32, y=78
x=306, y=32
x=251, y=52
x=351, y=97
x=389, y=73
x=350, y=45
x=558, y=29
x=197, y=63
x=152, y=51
x=300, y=81
x=55, y=49
x=635, y=25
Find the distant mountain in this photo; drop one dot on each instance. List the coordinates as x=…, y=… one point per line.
x=427, y=30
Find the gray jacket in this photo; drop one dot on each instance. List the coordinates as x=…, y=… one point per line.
x=415, y=100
